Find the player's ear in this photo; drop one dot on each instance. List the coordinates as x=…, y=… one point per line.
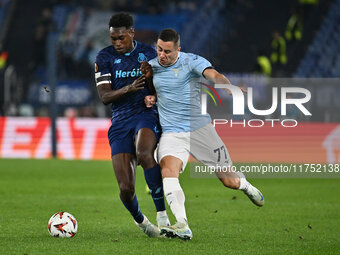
x=131, y=32
x=179, y=48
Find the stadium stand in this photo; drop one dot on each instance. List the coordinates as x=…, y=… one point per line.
x=208, y=22
x=241, y=47
x=3, y=8
x=323, y=58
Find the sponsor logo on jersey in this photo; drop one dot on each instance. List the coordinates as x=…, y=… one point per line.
x=176, y=70
x=117, y=61
x=142, y=57
x=135, y=72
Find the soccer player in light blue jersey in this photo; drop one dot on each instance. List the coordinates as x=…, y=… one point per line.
x=185, y=129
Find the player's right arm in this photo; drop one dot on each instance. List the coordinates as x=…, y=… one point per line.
x=103, y=81
x=218, y=78
x=108, y=95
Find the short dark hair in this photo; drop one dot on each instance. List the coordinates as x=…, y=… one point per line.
x=121, y=20
x=170, y=35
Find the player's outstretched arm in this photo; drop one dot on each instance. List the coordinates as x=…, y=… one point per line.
x=107, y=95
x=218, y=78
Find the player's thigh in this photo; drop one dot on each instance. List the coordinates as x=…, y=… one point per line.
x=175, y=145
x=147, y=130
x=124, y=166
x=146, y=142
x=207, y=147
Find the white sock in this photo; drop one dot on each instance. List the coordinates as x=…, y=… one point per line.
x=244, y=184
x=175, y=197
x=162, y=213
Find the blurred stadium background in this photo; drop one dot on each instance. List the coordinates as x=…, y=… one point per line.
x=255, y=43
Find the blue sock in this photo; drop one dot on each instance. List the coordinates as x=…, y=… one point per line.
x=153, y=178
x=133, y=208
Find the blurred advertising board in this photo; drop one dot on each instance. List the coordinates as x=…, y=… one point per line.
x=86, y=138
x=68, y=93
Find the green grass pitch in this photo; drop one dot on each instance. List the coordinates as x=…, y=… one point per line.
x=300, y=216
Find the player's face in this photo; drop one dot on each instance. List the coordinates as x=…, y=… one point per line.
x=122, y=39
x=167, y=52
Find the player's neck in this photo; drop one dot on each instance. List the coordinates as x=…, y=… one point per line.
x=133, y=45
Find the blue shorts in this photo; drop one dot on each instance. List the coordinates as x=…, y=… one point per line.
x=122, y=134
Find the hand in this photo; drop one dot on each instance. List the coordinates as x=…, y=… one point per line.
x=244, y=90
x=137, y=85
x=149, y=101
x=146, y=69
x=228, y=91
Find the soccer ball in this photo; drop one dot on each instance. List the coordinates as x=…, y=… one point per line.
x=62, y=224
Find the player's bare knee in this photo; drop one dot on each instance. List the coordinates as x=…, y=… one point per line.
x=145, y=159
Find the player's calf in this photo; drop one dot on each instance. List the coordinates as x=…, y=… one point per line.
x=230, y=180
x=153, y=178
x=127, y=192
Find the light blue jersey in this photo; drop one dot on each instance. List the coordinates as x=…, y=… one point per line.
x=179, y=93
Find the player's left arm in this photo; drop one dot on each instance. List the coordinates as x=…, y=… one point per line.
x=218, y=78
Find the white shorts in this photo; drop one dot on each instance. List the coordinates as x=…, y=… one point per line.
x=204, y=144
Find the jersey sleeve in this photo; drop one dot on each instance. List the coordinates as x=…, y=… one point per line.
x=102, y=70
x=198, y=64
